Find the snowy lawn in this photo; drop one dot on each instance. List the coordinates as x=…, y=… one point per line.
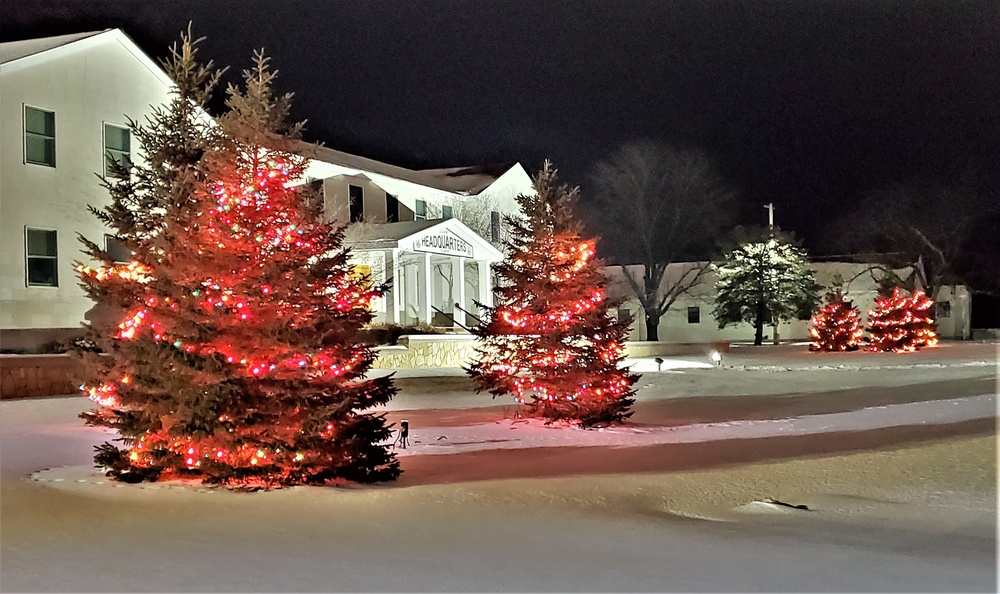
x=913, y=513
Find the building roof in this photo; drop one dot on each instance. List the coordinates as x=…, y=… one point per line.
x=467, y=181
x=383, y=234
x=15, y=50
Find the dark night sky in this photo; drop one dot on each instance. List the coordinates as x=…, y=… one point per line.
x=809, y=103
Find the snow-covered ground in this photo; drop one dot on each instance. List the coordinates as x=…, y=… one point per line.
x=518, y=434
x=910, y=516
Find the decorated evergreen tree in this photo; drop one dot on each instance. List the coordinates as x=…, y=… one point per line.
x=236, y=357
x=762, y=283
x=549, y=340
x=836, y=326
x=899, y=323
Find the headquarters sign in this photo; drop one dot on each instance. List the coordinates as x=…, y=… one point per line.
x=444, y=243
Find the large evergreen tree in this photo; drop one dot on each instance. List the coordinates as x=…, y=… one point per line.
x=237, y=357
x=764, y=282
x=549, y=340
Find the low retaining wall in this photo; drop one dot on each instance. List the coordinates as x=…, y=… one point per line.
x=50, y=375
x=38, y=375
x=986, y=334
x=457, y=350
x=427, y=350
x=672, y=349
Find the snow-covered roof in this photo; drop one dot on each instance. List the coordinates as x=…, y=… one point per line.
x=384, y=233
x=15, y=50
x=467, y=181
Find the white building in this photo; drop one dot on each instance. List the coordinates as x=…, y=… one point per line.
x=63, y=107
x=430, y=234
x=64, y=104
x=690, y=319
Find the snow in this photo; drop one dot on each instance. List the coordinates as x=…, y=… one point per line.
x=515, y=434
x=911, y=517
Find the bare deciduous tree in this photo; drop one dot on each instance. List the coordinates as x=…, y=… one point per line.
x=931, y=225
x=659, y=205
x=477, y=214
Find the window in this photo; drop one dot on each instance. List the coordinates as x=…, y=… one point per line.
x=943, y=309
x=117, y=147
x=315, y=195
x=357, y=203
x=391, y=208
x=494, y=226
x=39, y=136
x=420, y=211
x=42, y=257
x=694, y=315
x=116, y=249
x=446, y=212
x=624, y=315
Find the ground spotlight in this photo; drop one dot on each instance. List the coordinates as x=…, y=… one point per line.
x=717, y=358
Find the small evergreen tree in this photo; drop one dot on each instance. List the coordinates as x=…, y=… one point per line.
x=549, y=339
x=901, y=324
x=237, y=358
x=764, y=282
x=836, y=326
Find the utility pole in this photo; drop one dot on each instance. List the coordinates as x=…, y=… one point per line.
x=775, y=338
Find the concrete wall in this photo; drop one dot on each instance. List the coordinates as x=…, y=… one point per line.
x=103, y=83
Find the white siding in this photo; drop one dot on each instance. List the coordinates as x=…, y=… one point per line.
x=86, y=88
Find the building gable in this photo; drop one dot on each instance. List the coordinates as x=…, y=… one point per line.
x=18, y=55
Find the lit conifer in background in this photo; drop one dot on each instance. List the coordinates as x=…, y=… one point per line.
x=236, y=358
x=764, y=282
x=836, y=326
x=899, y=323
x=549, y=340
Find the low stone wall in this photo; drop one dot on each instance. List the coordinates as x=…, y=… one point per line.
x=22, y=376
x=427, y=350
x=672, y=349
x=456, y=350
x=50, y=375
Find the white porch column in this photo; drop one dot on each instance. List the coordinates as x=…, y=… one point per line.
x=426, y=311
x=458, y=278
x=397, y=287
x=485, y=290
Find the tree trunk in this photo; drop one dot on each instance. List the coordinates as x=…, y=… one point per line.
x=652, y=327
x=758, y=337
